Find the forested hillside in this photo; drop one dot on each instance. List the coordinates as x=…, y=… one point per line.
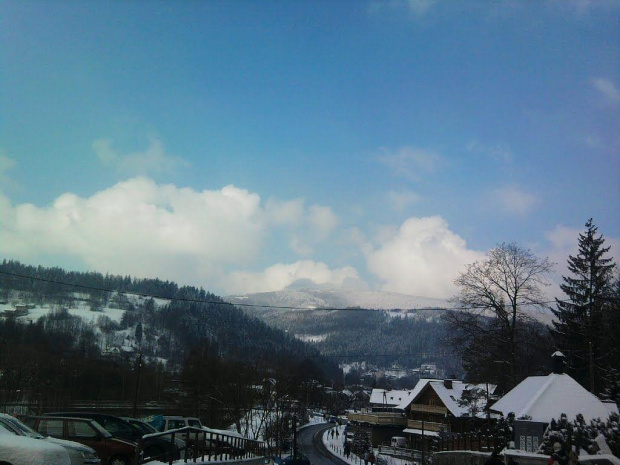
x=379, y=337
x=85, y=339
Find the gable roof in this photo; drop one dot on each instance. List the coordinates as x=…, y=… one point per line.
x=383, y=397
x=547, y=397
x=451, y=396
x=396, y=399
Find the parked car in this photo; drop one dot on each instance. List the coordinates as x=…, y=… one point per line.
x=78, y=453
x=22, y=450
x=146, y=428
x=157, y=447
x=176, y=422
x=111, y=450
x=170, y=422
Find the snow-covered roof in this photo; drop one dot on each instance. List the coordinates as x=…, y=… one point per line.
x=546, y=397
x=383, y=397
x=397, y=399
x=450, y=396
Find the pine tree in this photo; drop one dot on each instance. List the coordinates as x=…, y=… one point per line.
x=579, y=329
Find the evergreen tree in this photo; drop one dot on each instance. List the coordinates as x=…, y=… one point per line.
x=579, y=329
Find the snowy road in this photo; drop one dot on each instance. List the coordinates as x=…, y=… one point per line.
x=309, y=441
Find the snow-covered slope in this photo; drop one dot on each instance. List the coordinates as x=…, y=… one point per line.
x=337, y=298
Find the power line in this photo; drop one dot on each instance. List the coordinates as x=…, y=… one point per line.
x=277, y=307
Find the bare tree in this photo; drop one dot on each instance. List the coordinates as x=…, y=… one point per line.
x=494, y=327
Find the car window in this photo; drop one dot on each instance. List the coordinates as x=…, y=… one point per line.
x=116, y=427
x=143, y=427
x=51, y=428
x=80, y=430
x=194, y=423
x=175, y=424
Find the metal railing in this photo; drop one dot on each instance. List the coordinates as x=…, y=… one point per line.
x=202, y=444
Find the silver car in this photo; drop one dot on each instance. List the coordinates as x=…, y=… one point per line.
x=79, y=454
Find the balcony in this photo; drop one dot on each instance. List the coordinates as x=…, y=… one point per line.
x=428, y=425
x=379, y=418
x=437, y=409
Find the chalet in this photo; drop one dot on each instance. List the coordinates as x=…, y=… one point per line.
x=436, y=409
x=543, y=398
x=431, y=407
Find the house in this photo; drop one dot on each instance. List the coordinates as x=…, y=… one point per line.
x=539, y=399
x=430, y=407
x=436, y=408
x=20, y=310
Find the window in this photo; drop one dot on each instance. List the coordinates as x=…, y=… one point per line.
x=51, y=428
x=80, y=430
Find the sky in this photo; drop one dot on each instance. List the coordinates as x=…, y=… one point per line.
x=245, y=146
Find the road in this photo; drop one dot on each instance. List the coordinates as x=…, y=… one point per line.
x=310, y=444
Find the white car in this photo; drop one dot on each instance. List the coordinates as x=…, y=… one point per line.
x=79, y=454
x=22, y=450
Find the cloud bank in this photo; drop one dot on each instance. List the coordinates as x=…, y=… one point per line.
x=144, y=229
x=422, y=258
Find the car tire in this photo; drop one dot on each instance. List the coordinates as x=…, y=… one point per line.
x=118, y=460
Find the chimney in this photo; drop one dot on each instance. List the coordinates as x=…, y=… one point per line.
x=447, y=383
x=558, y=362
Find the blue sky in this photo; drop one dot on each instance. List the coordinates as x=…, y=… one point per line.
x=244, y=146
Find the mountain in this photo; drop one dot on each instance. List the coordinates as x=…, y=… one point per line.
x=312, y=298
x=381, y=328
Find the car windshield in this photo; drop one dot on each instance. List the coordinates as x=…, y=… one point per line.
x=13, y=424
x=143, y=427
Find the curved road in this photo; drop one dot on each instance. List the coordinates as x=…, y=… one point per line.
x=310, y=443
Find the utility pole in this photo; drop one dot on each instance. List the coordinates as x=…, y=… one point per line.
x=294, y=438
x=135, y=395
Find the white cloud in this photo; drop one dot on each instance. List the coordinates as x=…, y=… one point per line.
x=282, y=275
x=403, y=199
x=411, y=162
x=138, y=227
x=423, y=258
x=608, y=90
x=514, y=200
x=152, y=161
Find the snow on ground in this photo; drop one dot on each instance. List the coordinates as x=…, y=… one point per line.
x=335, y=446
x=311, y=337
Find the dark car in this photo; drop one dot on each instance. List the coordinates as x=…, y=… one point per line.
x=146, y=428
x=111, y=450
x=158, y=447
x=298, y=459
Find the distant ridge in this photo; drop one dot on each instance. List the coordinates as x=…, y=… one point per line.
x=311, y=298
